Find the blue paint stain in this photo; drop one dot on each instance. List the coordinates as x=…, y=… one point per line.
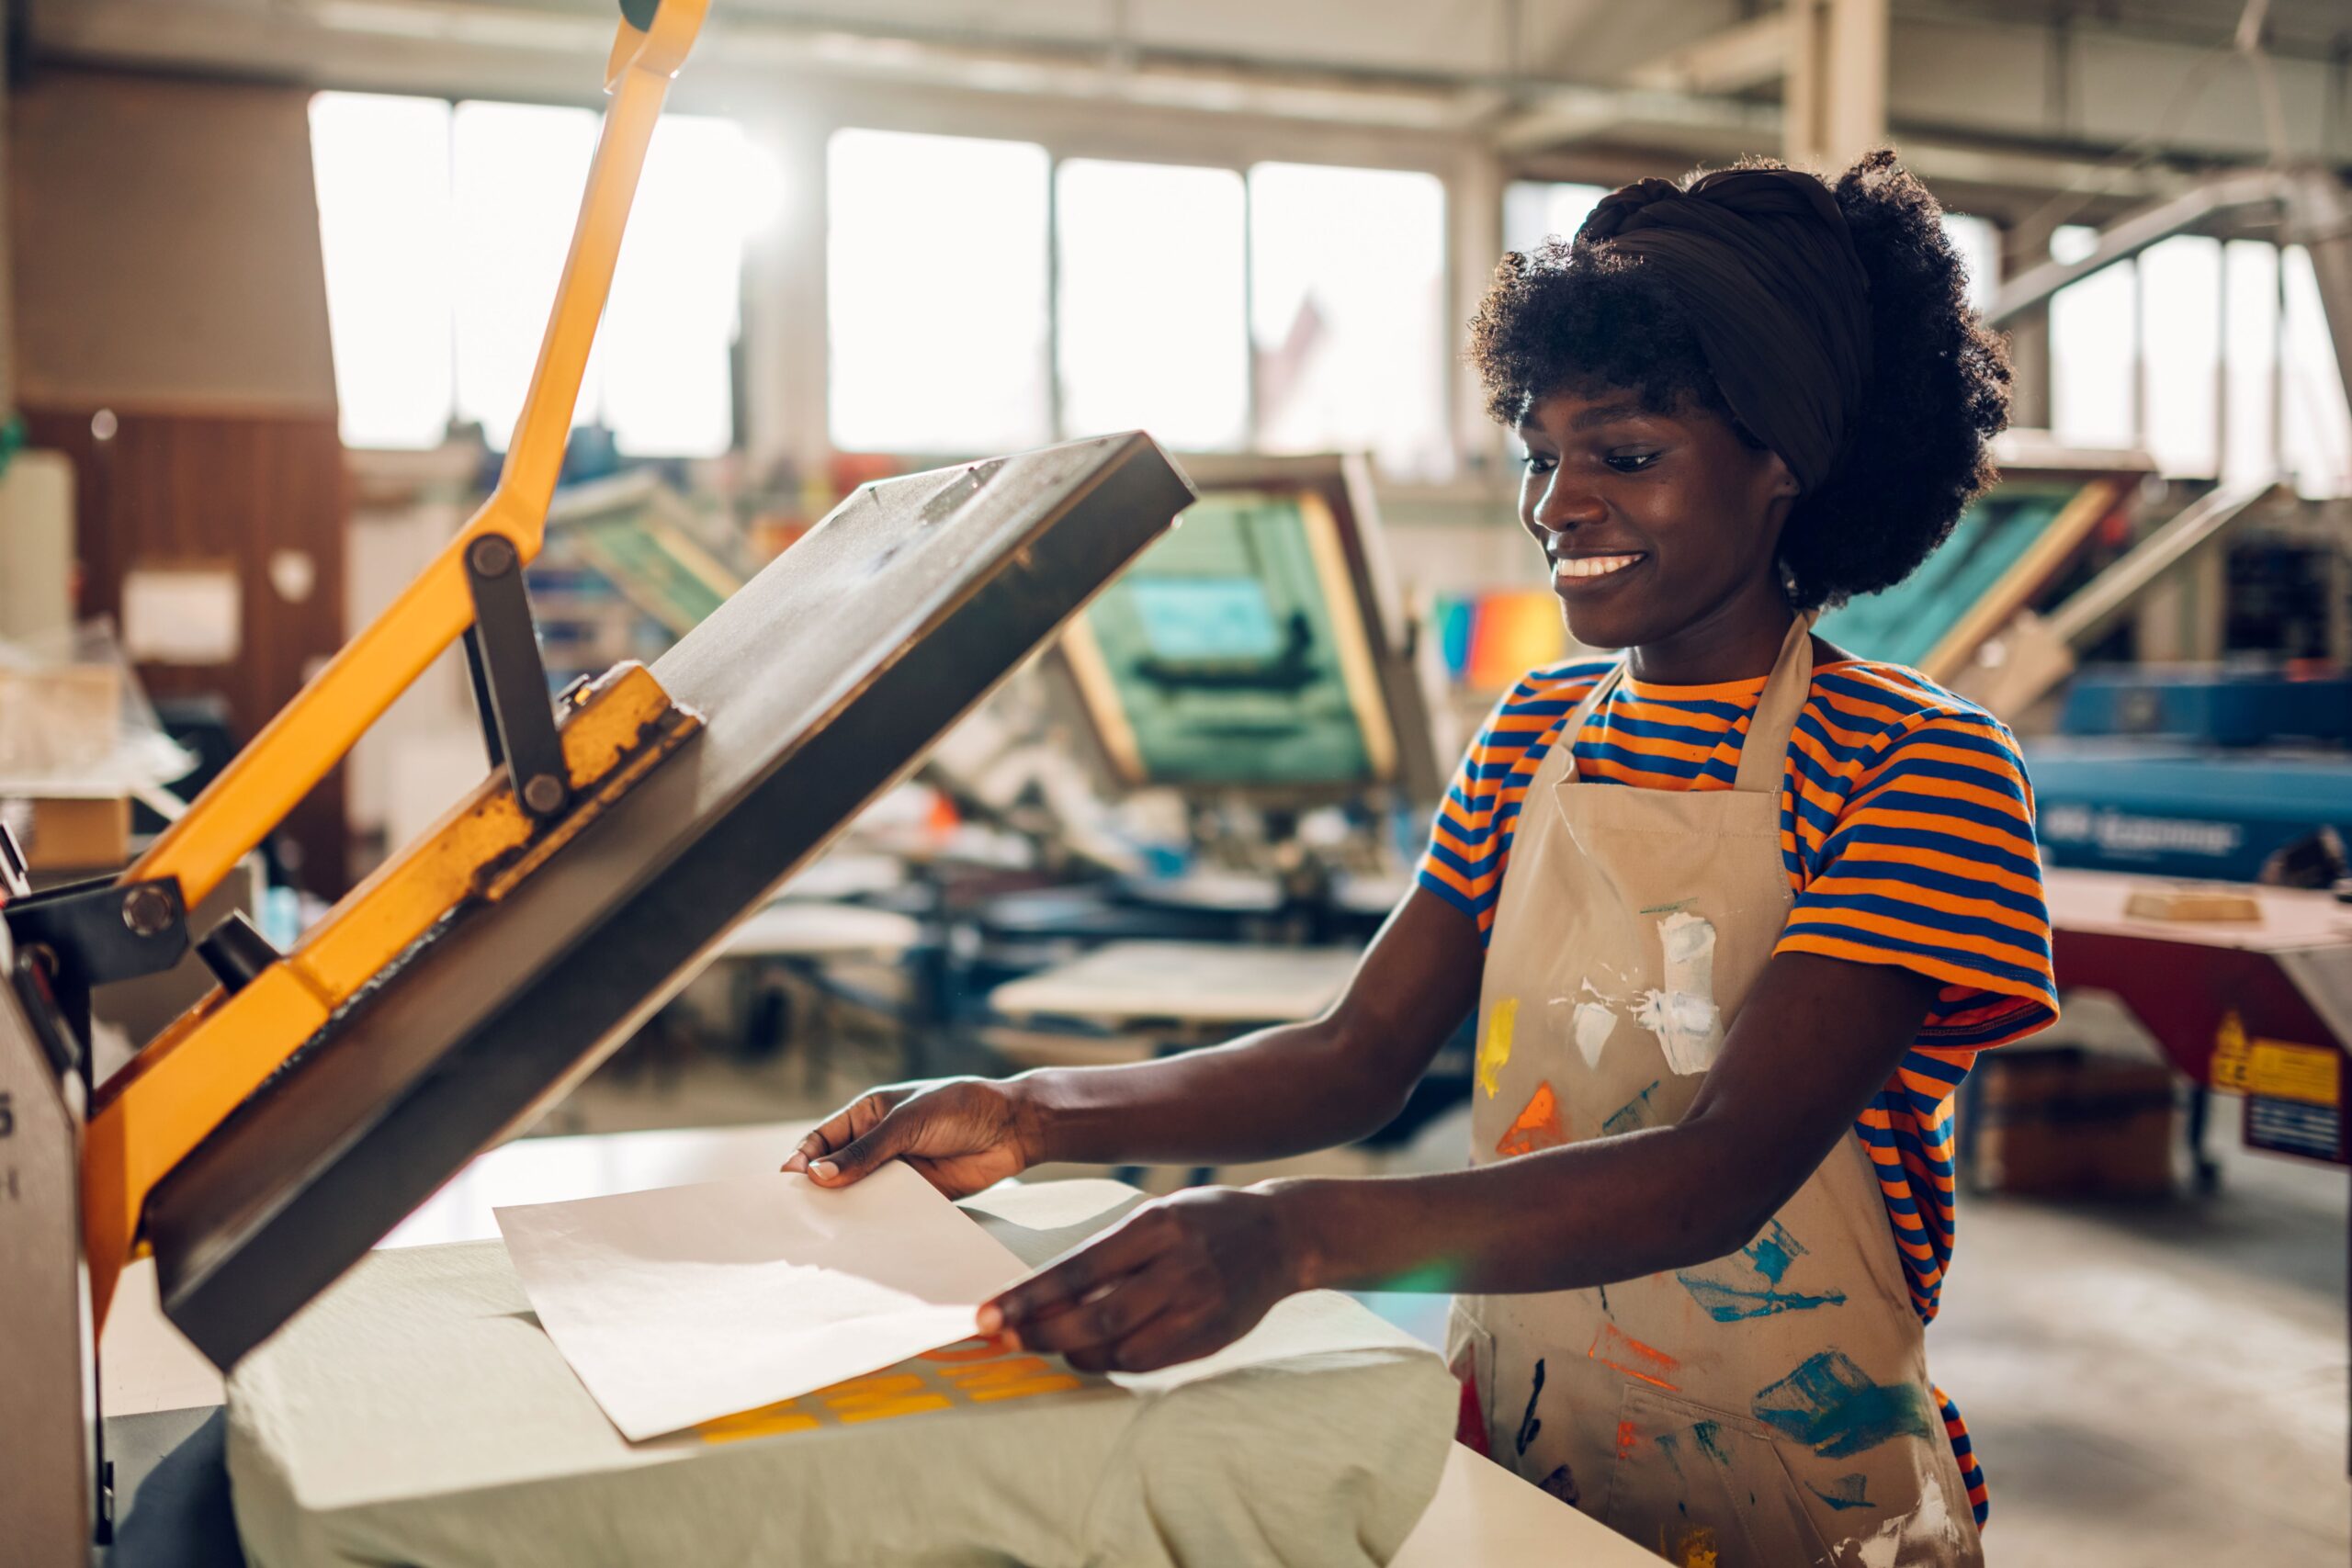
x=1561, y=1484
x=1729, y=1303
x=1749, y=1288
x=1706, y=1433
x=1772, y=1251
x=1634, y=1115
x=1671, y=1449
x=1830, y=1405
x=1845, y=1492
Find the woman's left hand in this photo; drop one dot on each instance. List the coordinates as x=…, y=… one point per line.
x=1179, y=1278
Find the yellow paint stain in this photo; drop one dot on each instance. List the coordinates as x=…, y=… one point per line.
x=1495, y=1049
x=1694, y=1548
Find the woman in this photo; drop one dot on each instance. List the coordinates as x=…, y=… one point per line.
x=1733, y=946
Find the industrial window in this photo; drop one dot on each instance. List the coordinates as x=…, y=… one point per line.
x=937, y=295
x=2214, y=357
x=1149, y=301
x=2250, y=392
x=1287, y=306
x=444, y=228
x=1979, y=244
x=1348, y=314
x=2181, y=307
x=2315, y=433
x=1536, y=210
x=2094, y=349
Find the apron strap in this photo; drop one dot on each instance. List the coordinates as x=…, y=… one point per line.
x=1763, y=756
x=1564, y=741
x=1783, y=698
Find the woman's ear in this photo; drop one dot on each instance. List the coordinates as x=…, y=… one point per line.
x=1782, y=484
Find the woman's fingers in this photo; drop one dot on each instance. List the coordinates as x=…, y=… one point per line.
x=1180, y=1333
x=1077, y=1275
x=829, y=1138
x=1092, y=1331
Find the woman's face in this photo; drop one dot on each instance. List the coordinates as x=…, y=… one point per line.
x=1659, y=528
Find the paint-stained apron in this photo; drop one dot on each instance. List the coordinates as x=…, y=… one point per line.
x=1768, y=1409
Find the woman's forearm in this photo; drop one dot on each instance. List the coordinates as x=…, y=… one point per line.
x=1563, y=1219
x=1279, y=1092
x=1282, y=1092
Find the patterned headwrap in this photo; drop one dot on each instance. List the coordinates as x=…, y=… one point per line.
x=1762, y=263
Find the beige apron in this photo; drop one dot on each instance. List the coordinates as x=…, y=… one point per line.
x=1768, y=1409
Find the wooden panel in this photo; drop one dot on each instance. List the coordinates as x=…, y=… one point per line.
x=176, y=489
x=166, y=245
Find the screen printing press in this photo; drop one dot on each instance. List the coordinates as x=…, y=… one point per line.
x=262, y=1144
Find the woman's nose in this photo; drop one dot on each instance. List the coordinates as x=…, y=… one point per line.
x=1563, y=505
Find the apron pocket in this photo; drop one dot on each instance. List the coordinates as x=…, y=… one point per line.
x=1705, y=1488
x=1470, y=1353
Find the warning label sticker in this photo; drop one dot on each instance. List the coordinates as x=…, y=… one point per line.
x=2311, y=1073
x=2276, y=1069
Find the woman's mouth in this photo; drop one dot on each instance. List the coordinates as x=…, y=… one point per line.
x=1581, y=571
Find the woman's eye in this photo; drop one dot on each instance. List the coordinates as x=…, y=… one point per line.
x=1536, y=463
x=1629, y=462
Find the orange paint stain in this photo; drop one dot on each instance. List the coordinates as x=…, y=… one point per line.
x=1613, y=1347
x=1538, y=1127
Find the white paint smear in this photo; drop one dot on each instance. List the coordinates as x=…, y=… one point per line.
x=1683, y=1014
x=1927, y=1534
x=1593, y=1023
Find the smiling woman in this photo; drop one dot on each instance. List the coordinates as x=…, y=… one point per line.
x=1722, y=1006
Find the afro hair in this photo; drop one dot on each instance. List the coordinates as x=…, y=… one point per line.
x=1574, y=315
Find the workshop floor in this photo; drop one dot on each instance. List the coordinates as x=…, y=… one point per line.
x=2147, y=1384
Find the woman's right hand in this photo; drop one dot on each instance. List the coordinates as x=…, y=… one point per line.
x=963, y=1134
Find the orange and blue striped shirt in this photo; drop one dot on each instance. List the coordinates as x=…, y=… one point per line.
x=1906, y=825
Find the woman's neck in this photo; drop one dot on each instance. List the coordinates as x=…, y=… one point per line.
x=1736, y=640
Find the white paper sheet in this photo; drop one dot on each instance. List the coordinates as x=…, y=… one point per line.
x=687, y=1304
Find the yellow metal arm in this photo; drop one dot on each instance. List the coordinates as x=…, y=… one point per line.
x=152, y=1112
x=304, y=742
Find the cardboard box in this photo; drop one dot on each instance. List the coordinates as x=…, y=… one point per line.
x=72, y=832
x=2069, y=1123
x=59, y=722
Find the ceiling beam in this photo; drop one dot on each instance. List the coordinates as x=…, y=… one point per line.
x=1733, y=61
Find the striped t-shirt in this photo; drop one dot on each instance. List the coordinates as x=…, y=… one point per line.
x=1906, y=825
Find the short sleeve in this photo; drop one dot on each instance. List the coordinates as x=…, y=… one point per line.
x=1932, y=866
x=1462, y=863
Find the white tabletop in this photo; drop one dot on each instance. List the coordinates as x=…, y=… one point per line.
x=820, y=931
x=1190, y=982
x=2292, y=918
x=1483, y=1515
